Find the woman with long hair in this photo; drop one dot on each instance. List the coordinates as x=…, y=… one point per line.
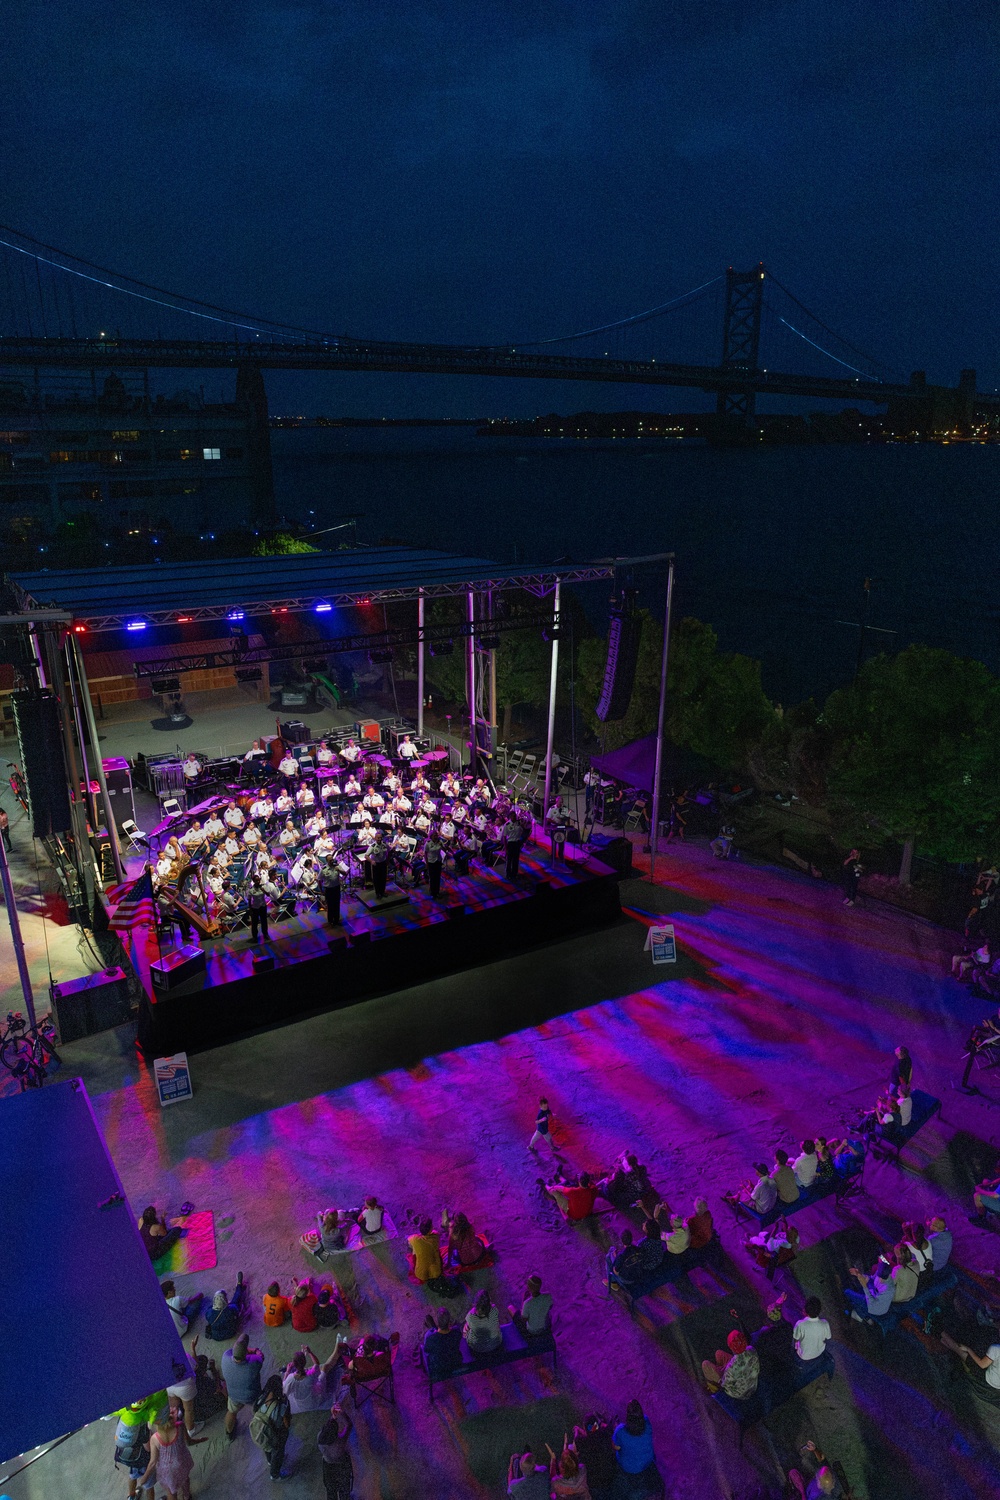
x=169, y=1457
x=637, y=1477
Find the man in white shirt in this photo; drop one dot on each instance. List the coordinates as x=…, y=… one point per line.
x=305, y=798
x=763, y=1195
x=191, y=767
x=352, y=787
x=806, y=1165
x=289, y=835
x=407, y=750
x=283, y=804
x=329, y=787
x=401, y=803
x=535, y=1315
x=373, y=800
x=251, y=836
x=232, y=844
x=391, y=782
x=214, y=827
x=904, y=1103
x=263, y=807
x=194, y=838
x=812, y=1333
x=288, y=765
x=324, y=755
x=351, y=752
x=234, y=816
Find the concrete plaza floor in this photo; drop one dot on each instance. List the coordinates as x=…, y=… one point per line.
x=777, y=1021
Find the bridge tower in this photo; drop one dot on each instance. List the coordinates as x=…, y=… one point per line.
x=251, y=395
x=741, y=340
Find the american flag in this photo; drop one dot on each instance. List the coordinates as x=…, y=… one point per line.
x=135, y=903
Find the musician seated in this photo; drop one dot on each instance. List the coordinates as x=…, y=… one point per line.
x=222, y=859
x=231, y=844
x=428, y=805
x=480, y=793
x=262, y=807
x=387, y=818
x=391, y=782
x=324, y=846
x=194, y=840
x=420, y=784
x=324, y=755
x=214, y=880
x=402, y=843
x=289, y=835
x=308, y=877
x=233, y=816
x=351, y=753
x=269, y=885
x=228, y=904
x=283, y=804
x=447, y=830
x=191, y=766
x=305, y=798
x=401, y=803
x=256, y=751
x=421, y=822
x=373, y=800
x=480, y=823
x=357, y=816
x=329, y=788
x=288, y=765
x=164, y=866
x=366, y=833
x=262, y=860
x=352, y=786
x=459, y=813
x=314, y=825
x=214, y=827
x=251, y=836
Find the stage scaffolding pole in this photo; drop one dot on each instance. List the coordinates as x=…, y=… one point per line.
x=471, y=683
x=553, y=679
x=15, y=935
x=102, y=780
x=660, y=717
x=494, y=735
x=420, y=665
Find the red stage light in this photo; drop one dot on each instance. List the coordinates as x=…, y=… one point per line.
x=184, y=619
x=79, y=629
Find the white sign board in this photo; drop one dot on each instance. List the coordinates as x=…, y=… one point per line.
x=660, y=942
x=173, y=1078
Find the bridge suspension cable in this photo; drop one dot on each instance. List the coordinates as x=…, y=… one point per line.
x=642, y=317
x=875, y=364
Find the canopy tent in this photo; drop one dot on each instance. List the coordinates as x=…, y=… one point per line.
x=86, y=1328
x=634, y=764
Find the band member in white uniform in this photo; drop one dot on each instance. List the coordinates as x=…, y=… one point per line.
x=234, y=816
x=352, y=786
x=262, y=807
x=288, y=765
x=351, y=752
x=283, y=803
x=408, y=750
x=214, y=827
x=324, y=755
x=191, y=767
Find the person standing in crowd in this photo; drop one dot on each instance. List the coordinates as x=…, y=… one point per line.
x=169, y=1457
x=132, y=1439
x=378, y=862
x=850, y=874
x=223, y=1317
x=272, y=1417
x=513, y=839
x=258, y=911
x=596, y=1451
x=638, y=1475
x=543, y=1127
x=433, y=862
x=902, y=1069
x=338, y=1470
x=241, y=1367
x=330, y=883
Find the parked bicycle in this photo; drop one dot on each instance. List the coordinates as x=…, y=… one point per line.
x=28, y=1052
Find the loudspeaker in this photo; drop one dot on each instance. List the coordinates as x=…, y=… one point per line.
x=177, y=968
x=454, y=912
x=95, y=1003
x=263, y=962
x=338, y=946
x=36, y=717
x=619, y=669
x=359, y=939
x=616, y=853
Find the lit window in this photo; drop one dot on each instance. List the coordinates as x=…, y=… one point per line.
x=211, y=452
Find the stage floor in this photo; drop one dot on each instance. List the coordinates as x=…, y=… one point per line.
x=477, y=917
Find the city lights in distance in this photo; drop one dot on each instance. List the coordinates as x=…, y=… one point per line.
x=136, y=625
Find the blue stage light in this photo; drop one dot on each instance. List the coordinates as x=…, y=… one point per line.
x=136, y=625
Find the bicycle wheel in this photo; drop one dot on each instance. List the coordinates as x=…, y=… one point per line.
x=16, y=1054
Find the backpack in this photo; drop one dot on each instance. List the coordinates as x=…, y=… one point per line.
x=265, y=1426
x=446, y=1286
x=133, y=1453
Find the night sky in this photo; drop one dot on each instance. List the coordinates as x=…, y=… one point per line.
x=508, y=170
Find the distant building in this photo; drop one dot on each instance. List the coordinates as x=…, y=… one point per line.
x=100, y=445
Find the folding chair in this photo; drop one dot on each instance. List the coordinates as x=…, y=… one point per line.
x=134, y=834
x=379, y=1387
x=171, y=808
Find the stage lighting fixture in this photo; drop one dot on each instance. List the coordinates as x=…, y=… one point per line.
x=322, y=608
x=380, y=657
x=235, y=614
x=441, y=648
x=551, y=633
x=166, y=684
x=136, y=625
x=248, y=674
x=489, y=643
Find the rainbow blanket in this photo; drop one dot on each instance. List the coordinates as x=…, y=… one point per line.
x=195, y=1250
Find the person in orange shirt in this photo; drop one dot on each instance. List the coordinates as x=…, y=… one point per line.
x=276, y=1307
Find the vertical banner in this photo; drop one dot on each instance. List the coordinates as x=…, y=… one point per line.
x=173, y=1078
x=660, y=942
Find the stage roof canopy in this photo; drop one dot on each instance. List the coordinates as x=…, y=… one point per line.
x=109, y=598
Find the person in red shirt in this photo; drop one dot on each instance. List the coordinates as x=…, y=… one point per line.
x=700, y=1225
x=275, y=1306
x=575, y=1201
x=303, y=1308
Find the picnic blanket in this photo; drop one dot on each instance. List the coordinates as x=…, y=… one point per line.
x=357, y=1241
x=195, y=1250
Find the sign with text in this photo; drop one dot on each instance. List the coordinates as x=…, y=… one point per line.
x=173, y=1078
x=660, y=942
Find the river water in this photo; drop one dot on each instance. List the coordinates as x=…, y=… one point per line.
x=772, y=544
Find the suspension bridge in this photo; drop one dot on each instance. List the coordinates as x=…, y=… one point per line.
x=60, y=312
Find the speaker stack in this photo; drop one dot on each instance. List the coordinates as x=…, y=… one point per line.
x=623, y=654
x=39, y=739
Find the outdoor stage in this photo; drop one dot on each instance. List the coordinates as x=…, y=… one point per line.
x=478, y=918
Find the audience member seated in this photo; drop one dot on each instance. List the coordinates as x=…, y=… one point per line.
x=904, y=1104
x=568, y=1475
x=183, y=1311
x=811, y=1333
x=575, y=1201
x=595, y=1448
x=679, y=1238
x=628, y=1184
x=761, y=1195
x=699, y=1225
x=903, y=1271
x=986, y=1199
x=222, y=1320
x=939, y=1238
x=848, y=1155
x=982, y=1369
x=806, y=1165
x=482, y=1326
x=275, y=1306
x=824, y=1484
x=876, y=1295
x=774, y=1246
x=736, y=1372
x=535, y=1316
x=371, y=1360
x=527, y=1480
x=824, y=1160
x=964, y=965
x=156, y=1237
x=465, y=1248
x=303, y=1308
x=784, y=1178
x=442, y=1344
x=916, y=1241
x=370, y=1218
x=638, y=1475
x=425, y=1252
x=329, y=1308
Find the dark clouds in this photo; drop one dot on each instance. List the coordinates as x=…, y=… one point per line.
x=497, y=170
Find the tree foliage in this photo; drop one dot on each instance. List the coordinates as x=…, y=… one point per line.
x=282, y=544
x=915, y=753
x=523, y=665
x=715, y=703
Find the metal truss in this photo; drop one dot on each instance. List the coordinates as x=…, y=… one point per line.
x=382, y=640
